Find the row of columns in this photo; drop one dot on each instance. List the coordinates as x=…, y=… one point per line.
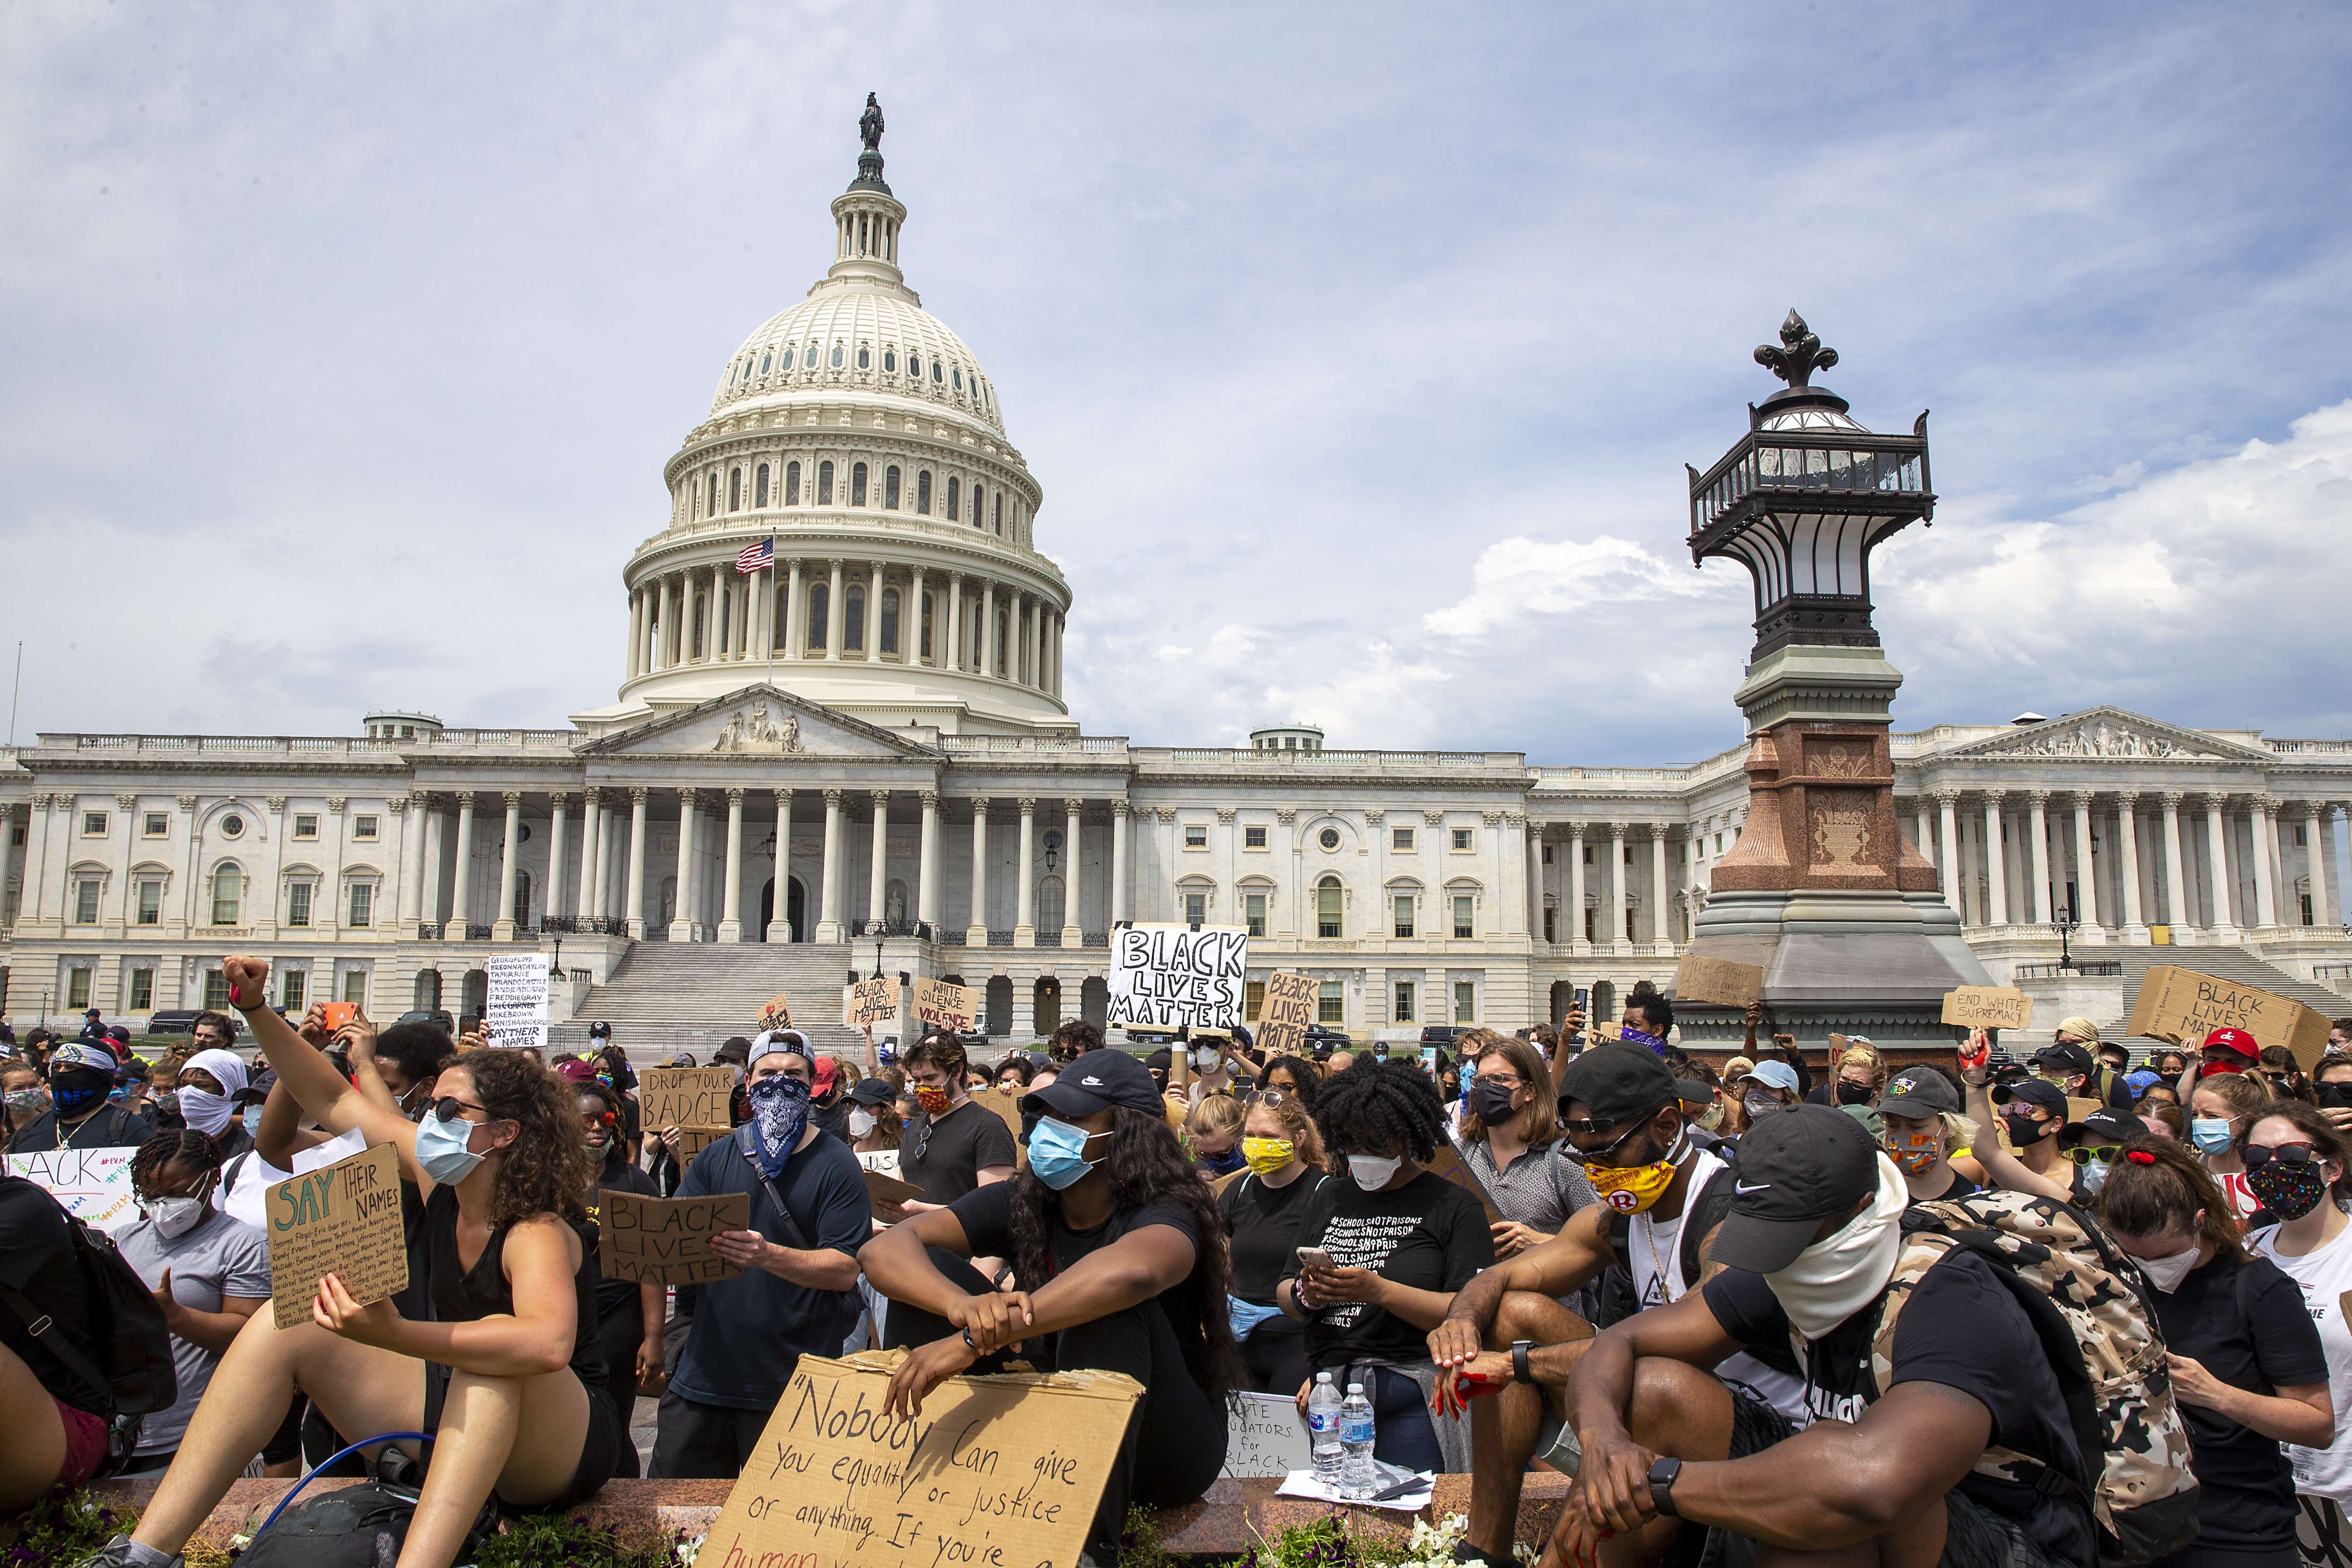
x=963, y=628
x=1616, y=932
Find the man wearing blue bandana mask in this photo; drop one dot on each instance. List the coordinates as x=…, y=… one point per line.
x=798, y=1291
x=80, y=1078
x=1117, y=1265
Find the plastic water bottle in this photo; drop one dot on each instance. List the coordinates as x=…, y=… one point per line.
x=1323, y=1429
x=1357, y=1476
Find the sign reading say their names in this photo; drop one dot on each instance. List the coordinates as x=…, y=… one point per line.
x=1265, y=1437
x=869, y=1003
x=1173, y=977
x=684, y=1097
x=515, y=1011
x=1988, y=1006
x=666, y=1241
x=995, y=1472
x=93, y=1185
x=342, y=1219
x=945, y=1005
x=1287, y=1009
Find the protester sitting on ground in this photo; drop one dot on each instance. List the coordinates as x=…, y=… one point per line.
x=1918, y=1111
x=2302, y=1182
x=1012, y=1074
x=797, y=1294
x=1261, y=1215
x=1117, y=1266
x=951, y=1146
x=2247, y=1372
x=630, y=1313
x=1509, y=1141
x=78, y=1117
x=208, y=1272
x=1894, y=1469
x=55, y=1431
x=1400, y=1242
x=1212, y=1135
x=875, y=1127
x=1661, y=1196
x=2221, y=1110
x=513, y=1349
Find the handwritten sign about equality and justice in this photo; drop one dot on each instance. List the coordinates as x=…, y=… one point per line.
x=869, y=1003
x=93, y=1185
x=666, y=1241
x=342, y=1219
x=1987, y=1007
x=995, y=1472
x=1172, y=977
x=686, y=1097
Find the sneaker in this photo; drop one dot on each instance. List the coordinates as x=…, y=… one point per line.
x=1465, y=1552
x=116, y=1554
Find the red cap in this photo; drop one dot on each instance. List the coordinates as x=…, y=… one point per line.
x=574, y=1072
x=2235, y=1040
x=822, y=1073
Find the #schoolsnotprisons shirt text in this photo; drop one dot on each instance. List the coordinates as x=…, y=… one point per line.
x=1428, y=1234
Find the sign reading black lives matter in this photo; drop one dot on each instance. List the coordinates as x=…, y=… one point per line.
x=1173, y=977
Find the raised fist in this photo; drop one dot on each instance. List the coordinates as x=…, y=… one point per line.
x=248, y=981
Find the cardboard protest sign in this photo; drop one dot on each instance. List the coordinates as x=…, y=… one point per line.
x=667, y=1240
x=996, y=1472
x=1282, y=1016
x=686, y=1097
x=2181, y=1007
x=946, y=1006
x=342, y=1218
x=2076, y=1109
x=1172, y=977
x=1718, y=980
x=869, y=1003
x=692, y=1141
x=883, y=1188
x=1609, y=1029
x=93, y=1185
x=1265, y=1437
x=1449, y=1168
x=778, y=1013
x=516, y=1009
x=1007, y=1109
x=1988, y=1006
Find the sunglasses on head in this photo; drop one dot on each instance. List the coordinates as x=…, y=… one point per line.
x=2257, y=1156
x=1268, y=1097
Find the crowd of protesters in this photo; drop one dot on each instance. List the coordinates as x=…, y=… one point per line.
x=1674, y=1277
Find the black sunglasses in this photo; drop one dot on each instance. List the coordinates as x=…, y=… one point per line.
x=1585, y=1158
x=2257, y=1156
x=447, y=1106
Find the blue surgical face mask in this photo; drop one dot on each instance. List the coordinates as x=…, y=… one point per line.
x=2210, y=1135
x=441, y=1151
x=1057, y=1153
x=252, y=1119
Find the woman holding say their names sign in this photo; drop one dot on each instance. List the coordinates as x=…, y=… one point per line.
x=503, y=1169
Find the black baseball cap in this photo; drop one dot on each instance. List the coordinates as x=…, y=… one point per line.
x=874, y=1092
x=2105, y=1125
x=1917, y=1092
x=1617, y=1083
x=2062, y=1056
x=2033, y=1092
x=1097, y=1079
x=1793, y=1169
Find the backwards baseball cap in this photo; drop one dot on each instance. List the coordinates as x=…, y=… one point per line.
x=1919, y=1093
x=1618, y=1083
x=2234, y=1040
x=1097, y=1080
x=1776, y=1074
x=2062, y=1056
x=77, y=1054
x=1793, y=1170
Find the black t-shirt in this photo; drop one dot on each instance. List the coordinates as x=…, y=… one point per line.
x=37, y=1259
x=113, y=1127
x=833, y=1118
x=986, y=1215
x=1961, y=1187
x=1262, y=1232
x=2246, y=1499
x=1960, y=1328
x=945, y=1156
x=1428, y=1234
x=617, y=1175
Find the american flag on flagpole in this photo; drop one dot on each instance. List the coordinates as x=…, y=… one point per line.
x=756, y=558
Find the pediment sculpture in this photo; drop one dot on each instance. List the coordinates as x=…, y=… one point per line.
x=2100, y=739
x=756, y=732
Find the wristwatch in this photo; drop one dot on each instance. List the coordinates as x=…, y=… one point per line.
x=1661, y=1486
x=1520, y=1371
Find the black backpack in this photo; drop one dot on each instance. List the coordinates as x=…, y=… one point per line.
x=359, y=1526
x=134, y=1376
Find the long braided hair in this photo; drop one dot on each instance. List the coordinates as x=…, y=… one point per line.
x=1145, y=1166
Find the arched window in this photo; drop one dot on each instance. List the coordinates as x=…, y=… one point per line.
x=765, y=360
x=951, y=497
x=979, y=659
x=915, y=366
x=787, y=360
x=760, y=488
x=1001, y=641
x=937, y=377
x=923, y=648
x=890, y=486
x=734, y=489
x=999, y=512
x=923, y=491
x=890, y=362
x=792, y=483
x=700, y=605
x=713, y=509
x=824, y=484
x=1328, y=904
x=958, y=377
x=809, y=360
x=977, y=497
x=837, y=356
x=889, y=643
x=852, y=619
x=865, y=357
x=818, y=594
x=857, y=483
x=693, y=500
x=228, y=894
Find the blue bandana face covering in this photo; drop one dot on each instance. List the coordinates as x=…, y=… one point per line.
x=780, y=1106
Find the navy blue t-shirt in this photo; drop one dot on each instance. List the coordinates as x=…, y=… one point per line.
x=749, y=1331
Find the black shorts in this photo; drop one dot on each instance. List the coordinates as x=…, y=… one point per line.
x=1975, y=1536
x=600, y=1447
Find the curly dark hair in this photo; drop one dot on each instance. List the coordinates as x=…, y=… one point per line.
x=1074, y=1038
x=1146, y=1164
x=941, y=1050
x=546, y=1170
x=185, y=1144
x=1388, y=1104
x=1646, y=1000
x=1302, y=1072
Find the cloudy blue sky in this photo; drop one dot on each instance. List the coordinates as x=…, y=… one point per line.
x=1358, y=348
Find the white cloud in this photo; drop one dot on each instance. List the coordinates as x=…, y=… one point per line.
x=1517, y=578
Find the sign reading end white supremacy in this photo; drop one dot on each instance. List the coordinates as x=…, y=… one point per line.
x=1172, y=977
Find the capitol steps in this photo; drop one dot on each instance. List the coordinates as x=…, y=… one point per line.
x=2223, y=963
x=668, y=997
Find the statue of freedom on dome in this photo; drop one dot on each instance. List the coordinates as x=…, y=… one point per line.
x=869, y=125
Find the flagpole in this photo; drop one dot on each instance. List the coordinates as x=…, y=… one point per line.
x=776, y=585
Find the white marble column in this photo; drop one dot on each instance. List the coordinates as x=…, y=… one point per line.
x=976, y=929
x=1659, y=913
x=2318, y=835
x=551, y=899
x=730, y=910
x=635, y=914
x=1024, y=891
x=793, y=637
x=2178, y=910
x=412, y=812
x=1073, y=935
x=2037, y=830
x=681, y=921
x=1533, y=833
x=877, y=884
x=1617, y=906
x=927, y=861
x=873, y=612
x=951, y=623
x=2265, y=835
x=837, y=615
x=780, y=923
x=2087, y=871
x=2217, y=854
x=910, y=622
x=590, y=895
x=1576, y=941
x=1923, y=838
x=1948, y=858
x=2133, y=928
x=988, y=666
x=1996, y=863
x=828, y=922
x=461, y=880
x=1118, y=815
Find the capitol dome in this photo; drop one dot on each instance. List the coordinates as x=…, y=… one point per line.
x=855, y=442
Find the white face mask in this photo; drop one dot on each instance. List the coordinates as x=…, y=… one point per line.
x=2166, y=1272
x=1371, y=1171
x=176, y=1216
x=204, y=1111
x=1834, y=1279
x=861, y=1122
x=1206, y=1056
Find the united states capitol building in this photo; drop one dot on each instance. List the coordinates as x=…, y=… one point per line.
x=866, y=743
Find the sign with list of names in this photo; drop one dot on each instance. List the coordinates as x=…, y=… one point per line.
x=342, y=1219
x=515, y=1011
x=1167, y=976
